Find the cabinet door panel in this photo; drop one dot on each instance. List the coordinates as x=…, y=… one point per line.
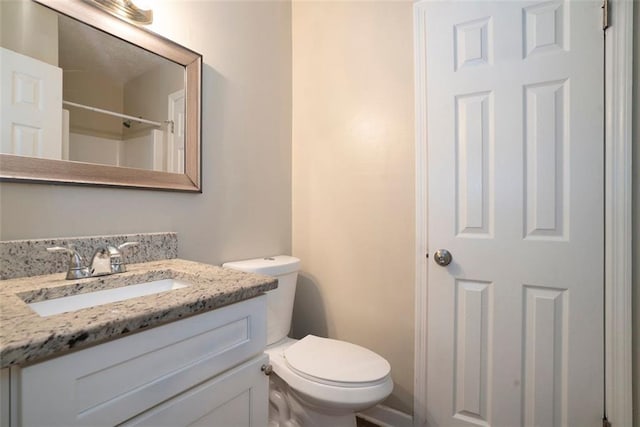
x=236, y=398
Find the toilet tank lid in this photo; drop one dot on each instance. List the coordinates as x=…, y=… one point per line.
x=269, y=266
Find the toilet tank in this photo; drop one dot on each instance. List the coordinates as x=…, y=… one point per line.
x=279, y=300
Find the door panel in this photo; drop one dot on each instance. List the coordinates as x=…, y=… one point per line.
x=546, y=163
x=515, y=170
x=473, y=341
x=545, y=355
x=235, y=398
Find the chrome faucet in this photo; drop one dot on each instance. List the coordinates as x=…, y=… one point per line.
x=106, y=260
x=77, y=268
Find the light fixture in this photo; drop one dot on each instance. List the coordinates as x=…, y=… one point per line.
x=124, y=9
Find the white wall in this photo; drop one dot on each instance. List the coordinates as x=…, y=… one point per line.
x=144, y=151
x=94, y=149
x=353, y=178
x=143, y=99
x=245, y=208
x=95, y=90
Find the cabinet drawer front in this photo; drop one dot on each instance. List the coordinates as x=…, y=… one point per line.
x=112, y=382
x=236, y=398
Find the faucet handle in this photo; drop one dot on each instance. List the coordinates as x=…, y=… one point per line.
x=127, y=245
x=77, y=268
x=117, y=262
x=61, y=249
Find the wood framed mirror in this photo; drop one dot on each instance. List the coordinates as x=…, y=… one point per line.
x=170, y=142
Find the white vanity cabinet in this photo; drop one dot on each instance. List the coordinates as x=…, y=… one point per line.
x=203, y=370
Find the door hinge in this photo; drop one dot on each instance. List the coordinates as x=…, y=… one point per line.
x=605, y=14
x=605, y=422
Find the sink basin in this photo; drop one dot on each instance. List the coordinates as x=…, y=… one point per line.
x=91, y=299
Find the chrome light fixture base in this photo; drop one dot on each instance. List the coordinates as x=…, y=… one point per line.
x=124, y=9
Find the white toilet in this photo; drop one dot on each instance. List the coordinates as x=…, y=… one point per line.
x=318, y=382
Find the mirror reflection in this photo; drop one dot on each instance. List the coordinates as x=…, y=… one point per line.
x=72, y=92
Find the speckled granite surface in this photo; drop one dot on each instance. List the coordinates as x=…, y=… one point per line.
x=25, y=337
x=24, y=258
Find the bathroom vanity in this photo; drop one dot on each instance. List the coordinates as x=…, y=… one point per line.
x=188, y=355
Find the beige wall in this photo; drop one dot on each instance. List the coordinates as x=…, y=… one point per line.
x=636, y=214
x=353, y=178
x=18, y=18
x=245, y=208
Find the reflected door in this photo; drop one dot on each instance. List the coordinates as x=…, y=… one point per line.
x=515, y=163
x=31, y=98
x=175, y=148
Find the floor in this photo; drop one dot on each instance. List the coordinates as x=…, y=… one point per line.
x=364, y=423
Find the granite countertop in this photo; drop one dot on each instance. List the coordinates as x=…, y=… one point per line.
x=25, y=337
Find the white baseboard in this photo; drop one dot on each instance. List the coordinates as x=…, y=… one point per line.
x=386, y=417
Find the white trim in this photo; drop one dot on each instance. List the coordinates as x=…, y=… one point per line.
x=386, y=417
x=618, y=141
x=618, y=227
x=14, y=392
x=420, y=340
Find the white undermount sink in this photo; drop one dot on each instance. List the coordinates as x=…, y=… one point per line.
x=91, y=299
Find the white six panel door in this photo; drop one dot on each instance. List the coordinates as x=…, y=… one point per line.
x=31, y=106
x=515, y=169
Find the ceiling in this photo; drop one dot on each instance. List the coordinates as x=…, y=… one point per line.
x=84, y=49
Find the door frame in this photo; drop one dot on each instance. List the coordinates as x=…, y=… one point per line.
x=618, y=226
x=171, y=145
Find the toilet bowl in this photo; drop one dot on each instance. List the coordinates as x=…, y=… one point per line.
x=315, y=381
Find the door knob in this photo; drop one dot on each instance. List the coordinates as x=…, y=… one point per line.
x=442, y=257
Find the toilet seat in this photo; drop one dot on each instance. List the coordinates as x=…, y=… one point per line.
x=336, y=363
x=323, y=392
